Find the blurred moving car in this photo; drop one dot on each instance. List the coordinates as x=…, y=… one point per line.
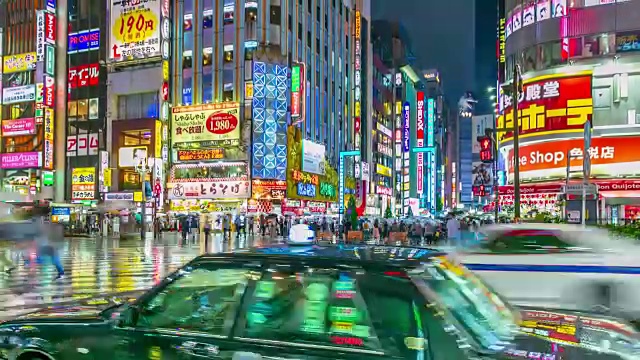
x=297, y=302
x=559, y=265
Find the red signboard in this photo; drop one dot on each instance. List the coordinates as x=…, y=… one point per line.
x=49, y=91
x=549, y=104
x=50, y=27
x=268, y=189
x=84, y=75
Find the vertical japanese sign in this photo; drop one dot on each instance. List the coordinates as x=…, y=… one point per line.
x=297, y=92
x=357, y=81
x=48, y=138
x=406, y=143
x=420, y=140
x=341, y=185
x=431, y=155
x=49, y=60
x=40, y=42
x=501, y=41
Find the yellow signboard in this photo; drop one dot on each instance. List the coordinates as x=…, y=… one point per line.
x=48, y=138
x=83, y=176
x=165, y=70
x=383, y=170
x=158, y=139
x=137, y=196
x=83, y=183
x=18, y=63
x=107, y=177
x=207, y=125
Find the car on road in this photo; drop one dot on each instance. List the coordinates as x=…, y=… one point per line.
x=560, y=265
x=298, y=302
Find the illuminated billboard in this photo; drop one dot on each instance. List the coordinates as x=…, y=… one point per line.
x=420, y=140
x=269, y=109
x=550, y=104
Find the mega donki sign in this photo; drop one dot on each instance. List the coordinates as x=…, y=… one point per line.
x=609, y=156
x=549, y=104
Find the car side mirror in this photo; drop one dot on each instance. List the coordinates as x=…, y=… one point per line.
x=128, y=317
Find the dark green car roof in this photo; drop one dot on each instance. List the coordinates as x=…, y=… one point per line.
x=356, y=255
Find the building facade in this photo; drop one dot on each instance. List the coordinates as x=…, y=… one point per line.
x=583, y=74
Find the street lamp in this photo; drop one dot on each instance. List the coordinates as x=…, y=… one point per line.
x=491, y=89
x=143, y=168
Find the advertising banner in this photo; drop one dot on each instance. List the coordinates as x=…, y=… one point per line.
x=18, y=127
x=50, y=28
x=268, y=189
x=21, y=160
x=204, y=154
x=49, y=91
x=298, y=82
x=548, y=105
x=313, y=157
x=48, y=138
x=84, y=75
x=83, y=182
x=50, y=60
x=357, y=78
x=135, y=30
x=420, y=141
x=19, y=63
x=223, y=189
x=18, y=94
x=83, y=41
x=40, y=42
x=478, y=126
x=406, y=141
x=609, y=156
x=206, y=125
x=82, y=144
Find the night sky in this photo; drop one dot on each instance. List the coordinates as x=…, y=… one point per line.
x=451, y=37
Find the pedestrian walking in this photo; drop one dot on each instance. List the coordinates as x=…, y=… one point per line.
x=207, y=234
x=44, y=247
x=226, y=227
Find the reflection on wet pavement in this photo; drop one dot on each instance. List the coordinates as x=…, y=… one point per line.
x=101, y=266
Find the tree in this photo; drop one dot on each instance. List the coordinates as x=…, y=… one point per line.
x=410, y=212
x=352, y=213
x=387, y=213
x=439, y=204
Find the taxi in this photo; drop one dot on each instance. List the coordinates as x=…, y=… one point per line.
x=295, y=302
x=559, y=265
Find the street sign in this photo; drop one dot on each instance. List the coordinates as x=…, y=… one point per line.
x=576, y=189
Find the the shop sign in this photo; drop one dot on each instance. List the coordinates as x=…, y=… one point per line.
x=223, y=189
x=212, y=125
x=118, y=196
x=83, y=182
x=268, y=189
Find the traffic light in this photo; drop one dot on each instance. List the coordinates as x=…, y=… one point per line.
x=479, y=190
x=486, y=149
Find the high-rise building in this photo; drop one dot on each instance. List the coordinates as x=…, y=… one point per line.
x=284, y=77
x=53, y=98
x=578, y=61
x=233, y=103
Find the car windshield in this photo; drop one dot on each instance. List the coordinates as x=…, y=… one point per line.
x=472, y=304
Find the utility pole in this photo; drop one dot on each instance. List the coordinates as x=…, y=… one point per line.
x=517, y=88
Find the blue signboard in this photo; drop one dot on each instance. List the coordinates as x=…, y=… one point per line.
x=51, y=5
x=83, y=41
x=61, y=211
x=406, y=142
x=306, y=190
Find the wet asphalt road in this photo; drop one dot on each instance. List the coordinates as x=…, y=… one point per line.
x=98, y=267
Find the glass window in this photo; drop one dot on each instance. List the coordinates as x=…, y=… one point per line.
x=136, y=137
x=136, y=106
x=275, y=15
x=331, y=307
x=78, y=110
x=187, y=59
x=528, y=241
x=198, y=300
x=549, y=54
x=188, y=23
x=228, y=56
x=207, y=20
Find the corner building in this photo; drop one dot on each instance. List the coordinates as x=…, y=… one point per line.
x=579, y=63
x=252, y=84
